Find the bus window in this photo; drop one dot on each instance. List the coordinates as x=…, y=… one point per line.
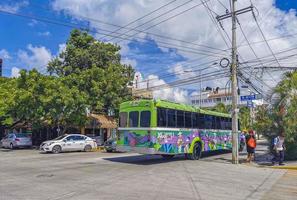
x=218, y=122
x=171, y=118
x=195, y=120
x=223, y=123
x=208, y=119
x=133, y=119
x=201, y=121
x=180, y=119
x=229, y=124
x=145, y=119
x=161, y=114
x=123, y=119
x=188, y=120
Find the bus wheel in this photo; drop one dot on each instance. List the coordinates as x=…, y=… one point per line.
x=167, y=156
x=196, y=152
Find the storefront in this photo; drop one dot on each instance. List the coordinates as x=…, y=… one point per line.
x=100, y=127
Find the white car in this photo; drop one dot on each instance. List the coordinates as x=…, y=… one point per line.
x=71, y=142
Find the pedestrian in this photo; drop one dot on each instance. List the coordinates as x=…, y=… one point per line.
x=242, y=140
x=250, y=145
x=279, y=149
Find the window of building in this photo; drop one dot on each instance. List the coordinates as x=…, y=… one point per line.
x=161, y=114
x=133, y=119
x=171, y=118
x=123, y=119
x=145, y=119
x=188, y=119
x=180, y=119
x=193, y=101
x=218, y=99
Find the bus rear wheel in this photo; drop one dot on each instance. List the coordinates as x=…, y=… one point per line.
x=167, y=156
x=196, y=152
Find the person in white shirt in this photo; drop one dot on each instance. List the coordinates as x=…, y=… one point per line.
x=279, y=149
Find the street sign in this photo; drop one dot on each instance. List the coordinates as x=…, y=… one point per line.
x=248, y=97
x=249, y=104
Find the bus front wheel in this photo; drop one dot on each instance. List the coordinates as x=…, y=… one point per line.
x=196, y=152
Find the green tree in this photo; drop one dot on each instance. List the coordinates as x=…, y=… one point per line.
x=220, y=107
x=245, y=118
x=95, y=68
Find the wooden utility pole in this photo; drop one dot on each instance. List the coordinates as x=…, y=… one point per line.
x=234, y=89
x=234, y=86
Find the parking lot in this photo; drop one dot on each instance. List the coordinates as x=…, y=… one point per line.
x=28, y=174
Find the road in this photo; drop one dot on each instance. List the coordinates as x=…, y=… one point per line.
x=28, y=174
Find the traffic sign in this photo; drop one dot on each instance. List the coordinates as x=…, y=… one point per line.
x=248, y=97
x=250, y=104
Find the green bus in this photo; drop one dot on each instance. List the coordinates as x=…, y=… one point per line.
x=166, y=128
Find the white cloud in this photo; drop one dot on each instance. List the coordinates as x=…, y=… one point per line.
x=46, y=33
x=15, y=7
x=35, y=57
x=128, y=61
x=4, y=54
x=62, y=47
x=32, y=23
x=194, y=26
x=165, y=92
x=15, y=72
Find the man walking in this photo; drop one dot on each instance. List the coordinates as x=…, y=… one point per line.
x=279, y=149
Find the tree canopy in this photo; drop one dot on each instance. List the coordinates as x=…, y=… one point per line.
x=88, y=74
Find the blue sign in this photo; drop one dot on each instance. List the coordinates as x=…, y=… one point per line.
x=250, y=104
x=248, y=97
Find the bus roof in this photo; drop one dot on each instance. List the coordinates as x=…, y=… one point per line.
x=169, y=104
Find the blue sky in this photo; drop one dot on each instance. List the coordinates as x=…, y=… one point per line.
x=19, y=34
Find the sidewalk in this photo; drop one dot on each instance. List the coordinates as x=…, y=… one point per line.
x=263, y=157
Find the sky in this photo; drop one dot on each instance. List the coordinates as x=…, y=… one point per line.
x=174, y=39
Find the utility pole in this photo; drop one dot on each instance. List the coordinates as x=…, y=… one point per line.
x=234, y=85
x=234, y=89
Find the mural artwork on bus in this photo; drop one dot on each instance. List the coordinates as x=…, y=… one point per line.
x=177, y=141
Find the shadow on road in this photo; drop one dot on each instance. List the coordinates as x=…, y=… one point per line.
x=157, y=159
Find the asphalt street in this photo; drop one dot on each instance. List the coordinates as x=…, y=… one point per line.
x=28, y=174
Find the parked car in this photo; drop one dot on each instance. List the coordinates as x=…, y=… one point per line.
x=16, y=140
x=110, y=145
x=71, y=142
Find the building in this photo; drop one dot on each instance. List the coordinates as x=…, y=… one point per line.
x=210, y=97
x=100, y=127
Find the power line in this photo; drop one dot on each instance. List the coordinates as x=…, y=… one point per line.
x=140, y=31
x=74, y=25
x=169, y=18
x=142, y=17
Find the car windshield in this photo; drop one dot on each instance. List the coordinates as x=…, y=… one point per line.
x=60, y=137
x=21, y=135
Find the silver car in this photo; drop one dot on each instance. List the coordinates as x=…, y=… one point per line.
x=72, y=142
x=16, y=140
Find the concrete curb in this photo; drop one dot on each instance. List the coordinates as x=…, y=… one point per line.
x=285, y=167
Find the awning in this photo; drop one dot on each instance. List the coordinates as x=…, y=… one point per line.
x=104, y=121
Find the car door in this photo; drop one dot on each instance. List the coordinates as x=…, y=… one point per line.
x=70, y=144
x=5, y=141
x=80, y=142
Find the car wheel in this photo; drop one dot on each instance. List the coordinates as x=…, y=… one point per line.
x=196, y=152
x=88, y=148
x=57, y=149
x=11, y=146
x=167, y=156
